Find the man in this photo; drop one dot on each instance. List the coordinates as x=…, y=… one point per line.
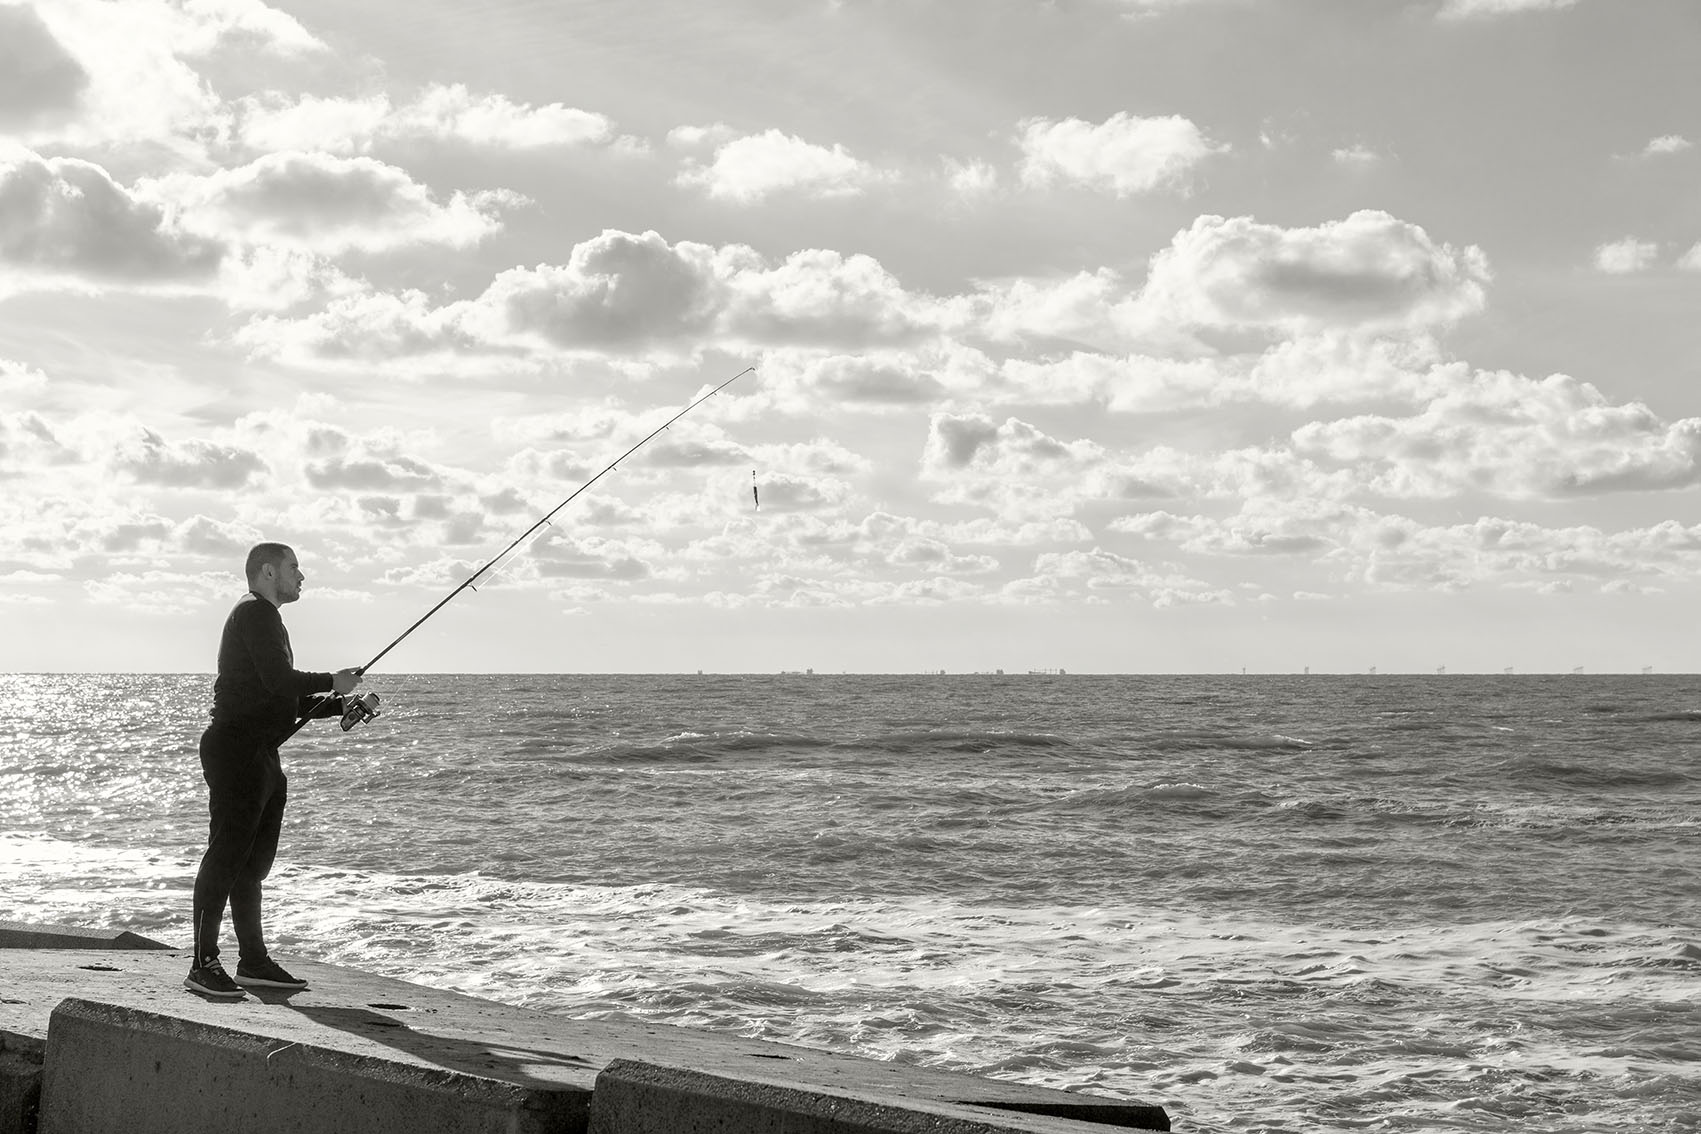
x=257, y=696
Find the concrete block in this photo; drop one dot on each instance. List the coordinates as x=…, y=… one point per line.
x=634, y=1097
x=433, y=1031
x=115, y=1068
x=23, y=935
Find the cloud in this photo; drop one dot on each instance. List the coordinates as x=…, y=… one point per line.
x=1292, y=528
x=1300, y=373
x=276, y=122
x=206, y=25
x=194, y=463
x=1623, y=257
x=1690, y=261
x=749, y=169
x=802, y=381
x=370, y=473
x=1487, y=9
x=1370, y=272
x=558, y=554
x=971, y=181
x=1124, y=155
x=40, y=81
x=29, y=443
x=65, y=222
x=973, y=441
x=141, y=82
x=1666, y=144
x=1356, y=156
x=325, y=204
x=1022, y=474
x=1512, y=436
x=1101, y=576
x=1360, y=545
x=17, y=378
x=158, y=593
x=620, y=293
x=692, y=137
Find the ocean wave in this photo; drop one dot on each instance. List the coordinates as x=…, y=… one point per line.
x=1541, y=771
x=921, y=741
x=1208, y=739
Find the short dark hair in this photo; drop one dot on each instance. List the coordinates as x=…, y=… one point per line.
x=263, y=553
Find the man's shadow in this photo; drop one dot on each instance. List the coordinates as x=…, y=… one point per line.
x=527, y=1067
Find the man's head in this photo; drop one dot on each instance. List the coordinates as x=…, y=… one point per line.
x=273, y=573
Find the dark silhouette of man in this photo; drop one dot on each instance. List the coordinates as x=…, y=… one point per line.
x=257, y=696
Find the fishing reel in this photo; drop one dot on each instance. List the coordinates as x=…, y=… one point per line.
x=359, y=710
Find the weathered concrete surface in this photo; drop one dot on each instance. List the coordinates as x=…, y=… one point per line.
x=644, y=1098
x=19, y=935
x=111, y=1068
x=364, y=1018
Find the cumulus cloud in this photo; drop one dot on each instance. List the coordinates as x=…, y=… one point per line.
x=40, y=81
x=276, y=122
x=1513, y=436
x=16, y=378
x=324, y=203
x=804, y=380
x=1124, y=155
x=1666, y=144
x=558, y=555
x=194, y=463
x=1262, y=528
x=139, y=57
x=1623, y=257
x=623, y=292
x=1487, y=9
x=693, y=137
x=30, y=443
x=971, y=181
x=1102, y=576
x=1391, y=551
x=1690, y=261
x=1370, y=272
x=973, y=441
x=65, y=222
x=1021, y=473
x=1355, y=156
x=749, y=169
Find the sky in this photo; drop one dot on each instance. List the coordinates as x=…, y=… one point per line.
x=1104, y=335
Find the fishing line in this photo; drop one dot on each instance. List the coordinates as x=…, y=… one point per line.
x=362, y=709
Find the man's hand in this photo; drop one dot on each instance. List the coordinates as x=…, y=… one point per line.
x=344, y=681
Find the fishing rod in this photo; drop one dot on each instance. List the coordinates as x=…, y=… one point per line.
x=362, y=709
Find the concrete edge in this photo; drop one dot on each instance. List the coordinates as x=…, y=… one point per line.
x=23, y=935
x=637, y=1097
x=114, y=1067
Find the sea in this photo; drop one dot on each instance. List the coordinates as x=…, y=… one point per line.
x=1267, y=903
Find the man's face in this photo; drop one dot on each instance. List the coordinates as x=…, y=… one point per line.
x=289, y=579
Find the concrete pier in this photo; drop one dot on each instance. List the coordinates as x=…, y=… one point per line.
x=101, y=1042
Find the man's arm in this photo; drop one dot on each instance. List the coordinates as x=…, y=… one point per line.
x=268, y=649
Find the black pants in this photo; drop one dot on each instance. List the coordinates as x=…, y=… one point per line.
x=246, y=796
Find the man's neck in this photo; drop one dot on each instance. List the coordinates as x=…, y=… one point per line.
x=258, y=593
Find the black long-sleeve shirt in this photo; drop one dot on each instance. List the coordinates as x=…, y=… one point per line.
x=258, y=690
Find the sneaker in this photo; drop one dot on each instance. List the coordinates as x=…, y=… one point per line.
x=210, y=979
x=266, y=974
